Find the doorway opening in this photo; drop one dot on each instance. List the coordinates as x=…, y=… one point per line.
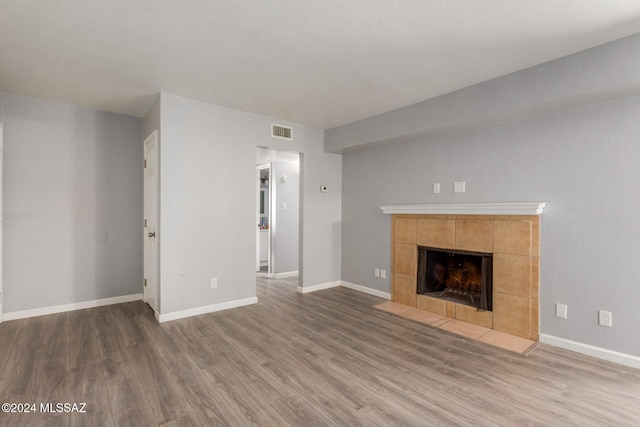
x=278, y=183
x=263, y=240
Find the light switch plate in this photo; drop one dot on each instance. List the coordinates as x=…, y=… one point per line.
x=561, y=311
x=605, y=318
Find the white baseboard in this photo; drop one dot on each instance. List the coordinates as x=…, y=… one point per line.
x=353, y=286
x=364, y=289
x=589, y=350
x=319, y=287
x=43, y=311
x=166, y=317
x=284, y=275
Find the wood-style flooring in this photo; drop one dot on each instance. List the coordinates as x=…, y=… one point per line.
x=326, y=358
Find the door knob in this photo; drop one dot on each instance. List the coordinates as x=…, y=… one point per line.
x=152, y=234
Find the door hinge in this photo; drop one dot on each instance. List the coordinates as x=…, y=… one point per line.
x=145, y=163
x=145, y=222
x=145, y=283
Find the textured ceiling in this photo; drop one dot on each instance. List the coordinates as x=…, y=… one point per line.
x=321, y=63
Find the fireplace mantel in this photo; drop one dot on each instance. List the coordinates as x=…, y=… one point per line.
x=523, y=208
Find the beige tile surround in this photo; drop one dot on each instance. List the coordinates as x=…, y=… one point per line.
x=514, y=242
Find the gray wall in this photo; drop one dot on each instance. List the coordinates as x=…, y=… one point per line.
x=70, y=174
x=207, y=170
x=582, y=159
x=152, y=119
x=285, y=243
x=605, y=72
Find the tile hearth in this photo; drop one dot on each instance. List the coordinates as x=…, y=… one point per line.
x=479, y=333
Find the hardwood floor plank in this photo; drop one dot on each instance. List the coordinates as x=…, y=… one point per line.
x=158, y=335
x=129, y=403
x=211, y=405
x=334, y=403
x=83, y=345
x=109, y=345
x=186, y=421
x=189, y=337
x=19, y=378
x=56, y=329
x=88, y=385
x=165, y=397
x=51, y=373
x=52, y=380
x=253, y=406
x=9, y=333
x=303, y=370
x=322, y=358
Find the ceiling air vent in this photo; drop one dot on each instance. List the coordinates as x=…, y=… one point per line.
x=282, y=132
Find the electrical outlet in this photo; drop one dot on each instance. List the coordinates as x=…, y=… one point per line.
x=214, y=283
x=383, y=274
x=604, y=318
x=459, y=187
x=561, y=311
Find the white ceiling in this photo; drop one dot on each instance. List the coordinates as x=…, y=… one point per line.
x=318, y=62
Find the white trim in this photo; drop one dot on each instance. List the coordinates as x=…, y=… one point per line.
x=43, y=311
x=205, y=309
x=525, y=208
x=366, y=290
x=283, y=275
x=319, y=287
x=589, y=350
x=353, y=286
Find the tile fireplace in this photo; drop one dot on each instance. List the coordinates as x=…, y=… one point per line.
x=506, y=237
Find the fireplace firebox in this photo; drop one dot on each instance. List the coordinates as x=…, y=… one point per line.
x=463, y=277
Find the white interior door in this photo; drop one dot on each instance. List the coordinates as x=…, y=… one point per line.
x=1, y=222
x=151, y=209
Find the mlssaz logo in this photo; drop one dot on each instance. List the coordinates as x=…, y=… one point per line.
x=63, y=407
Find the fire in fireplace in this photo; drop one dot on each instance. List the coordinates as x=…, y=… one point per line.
x=460, y=276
